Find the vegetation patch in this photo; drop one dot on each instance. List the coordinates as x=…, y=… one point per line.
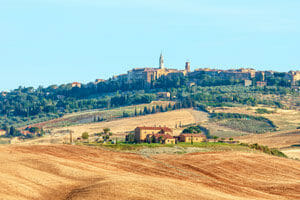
x=182, y=148
x=265, y=149
x=198, y=129
x=264, y=111
x=243, y=122
x=247, y=125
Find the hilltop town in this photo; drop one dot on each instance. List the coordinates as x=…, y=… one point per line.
x=248, y=77
x=89, y=111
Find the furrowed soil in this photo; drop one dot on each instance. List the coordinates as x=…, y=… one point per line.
x=81, y=172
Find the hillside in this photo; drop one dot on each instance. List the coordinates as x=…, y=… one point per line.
x=287, y=141
x=78, y=172
x=284, y=119
x=121, y=127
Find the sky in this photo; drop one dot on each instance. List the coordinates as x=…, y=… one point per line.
x=45, y=42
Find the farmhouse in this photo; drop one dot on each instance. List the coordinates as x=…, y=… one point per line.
x=141, y=133
x=191, y=137
x=2, y=132
x=160, y=138
x=26, y=132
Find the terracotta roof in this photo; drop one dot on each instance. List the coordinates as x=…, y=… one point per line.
x=155, y=128
x=26, y=133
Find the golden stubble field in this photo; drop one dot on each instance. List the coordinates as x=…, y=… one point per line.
x=78, y=172
x=121, y=127
x=284, y=119
x=287, y=139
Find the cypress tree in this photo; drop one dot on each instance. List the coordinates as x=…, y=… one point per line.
x=135, y=112
x=145, y=110
x=161, y=108
x=174, y=107
x=153, y=110
x=157, y=107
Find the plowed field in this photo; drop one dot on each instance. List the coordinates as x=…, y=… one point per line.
x=80, y=172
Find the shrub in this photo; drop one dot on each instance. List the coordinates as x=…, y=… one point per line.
x=263, y=111
x=85, y=135
x=265, y=149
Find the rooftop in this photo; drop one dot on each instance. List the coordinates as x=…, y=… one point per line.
x=155, y=128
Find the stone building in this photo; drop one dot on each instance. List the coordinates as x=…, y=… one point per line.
x=76, y=84
x=141, y=133
x=192, y=137
x=295, y=77
x=2, y=132
x=247, y=83
x=261, y=83
x=148, y=75
x=160, y=138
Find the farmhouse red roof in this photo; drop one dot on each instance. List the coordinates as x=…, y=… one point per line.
x=156, y=128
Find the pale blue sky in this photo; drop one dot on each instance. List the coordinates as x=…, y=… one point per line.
x=45, y=42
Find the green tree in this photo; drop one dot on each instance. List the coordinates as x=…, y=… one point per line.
x=135, y=112
x=125, y=114
x=130, y=138
x=215, y=138
x=153, y=110
x=85, y=135
x=106, y=130
x=153, y=139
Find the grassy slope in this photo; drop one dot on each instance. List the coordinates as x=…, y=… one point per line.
x=88, y=116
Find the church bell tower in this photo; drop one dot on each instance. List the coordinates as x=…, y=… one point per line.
x=161, y=62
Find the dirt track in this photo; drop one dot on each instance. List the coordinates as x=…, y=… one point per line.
x=78, y=172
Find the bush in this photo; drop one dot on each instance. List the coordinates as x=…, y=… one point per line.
x=265, y=149
x=263, y=111
x=85, y=135
x=192, y=129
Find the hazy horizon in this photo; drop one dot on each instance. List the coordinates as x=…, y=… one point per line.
x=62, y=41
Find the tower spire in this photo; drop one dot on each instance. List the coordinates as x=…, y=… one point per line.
x=161, y=61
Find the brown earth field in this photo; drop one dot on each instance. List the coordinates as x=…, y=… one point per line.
x=281, y=139
x=81, y=172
